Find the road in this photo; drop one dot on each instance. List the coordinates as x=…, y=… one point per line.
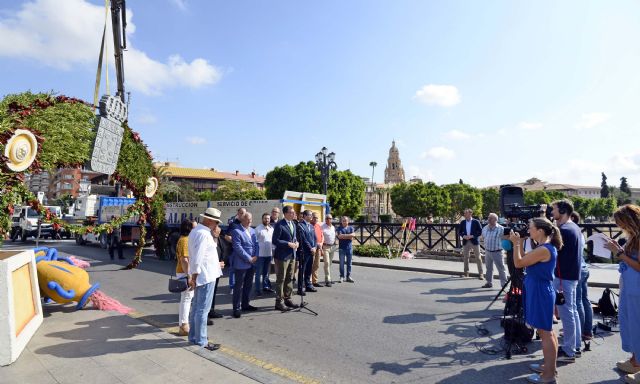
x=388, y=327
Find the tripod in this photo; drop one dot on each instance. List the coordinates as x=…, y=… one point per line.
x=303, y=304
x=499, y=293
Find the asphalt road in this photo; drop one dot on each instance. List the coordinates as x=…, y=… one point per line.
x=388, y=327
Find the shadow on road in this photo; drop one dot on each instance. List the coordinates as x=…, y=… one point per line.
x=410, y=318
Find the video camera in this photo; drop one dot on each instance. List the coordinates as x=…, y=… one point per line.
x=512, y=207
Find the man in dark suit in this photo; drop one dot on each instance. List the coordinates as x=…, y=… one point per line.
x=307, y=239
x=285, y=243
x=470, y=229
x=244, y=256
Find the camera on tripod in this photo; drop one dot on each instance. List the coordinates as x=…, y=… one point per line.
x=512, y=207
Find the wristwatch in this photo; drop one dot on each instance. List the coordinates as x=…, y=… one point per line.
x=620, y=252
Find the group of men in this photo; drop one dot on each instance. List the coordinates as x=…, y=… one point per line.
x=569, y=264
x=293, y=243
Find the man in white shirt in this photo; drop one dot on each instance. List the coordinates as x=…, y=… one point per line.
x=264, y=233
x=204, y=268
x=329, y=247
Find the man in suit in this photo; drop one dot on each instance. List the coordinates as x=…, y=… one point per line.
x=307, y=239
x=470, y=229
x=285, y=243
x=233, y=223
x=244, y=256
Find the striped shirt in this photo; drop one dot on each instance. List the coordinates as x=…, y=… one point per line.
x=493, y=237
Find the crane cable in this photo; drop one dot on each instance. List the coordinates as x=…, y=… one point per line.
x=104, y=52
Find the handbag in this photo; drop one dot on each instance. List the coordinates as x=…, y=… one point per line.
x=178, y=285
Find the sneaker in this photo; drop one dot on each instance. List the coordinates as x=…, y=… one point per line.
x=350, y=280
x=564, y=358
x=627, y=367
x=341, y=280
x=488, y=285
x=578, y=353
x=632, y=378
x=480, y=277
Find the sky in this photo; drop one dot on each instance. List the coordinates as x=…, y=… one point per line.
x=490, y=92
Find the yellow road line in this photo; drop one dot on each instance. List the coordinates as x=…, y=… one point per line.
x=280, y=371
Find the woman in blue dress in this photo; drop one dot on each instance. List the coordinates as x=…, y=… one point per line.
x=539, y=295
x=627, y=218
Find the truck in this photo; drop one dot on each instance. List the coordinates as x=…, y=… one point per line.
x=26, y=222
x=96, y=210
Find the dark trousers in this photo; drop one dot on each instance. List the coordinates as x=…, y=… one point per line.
x=213, y=300
x=115, y=242
x=244, y=283
x=304, y=271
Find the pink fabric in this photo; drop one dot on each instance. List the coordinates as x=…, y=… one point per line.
x=79, y=262
x=104, y=302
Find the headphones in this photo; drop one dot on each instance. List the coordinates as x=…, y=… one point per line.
x=562, y=207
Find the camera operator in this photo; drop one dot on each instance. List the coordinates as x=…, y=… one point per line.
x=566, y=280
x=470, y=229
x=493, y=234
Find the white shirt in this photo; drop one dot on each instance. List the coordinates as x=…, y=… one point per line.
x=329, y=232
x=468, y=227
x=203, y=256
x=264, y=235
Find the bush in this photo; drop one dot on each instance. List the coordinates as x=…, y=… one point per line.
x=369, y=250
x=385, y=218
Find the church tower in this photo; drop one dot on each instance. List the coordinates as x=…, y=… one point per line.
x=393, y=173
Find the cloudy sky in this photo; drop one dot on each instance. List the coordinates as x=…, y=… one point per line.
x=491, y=92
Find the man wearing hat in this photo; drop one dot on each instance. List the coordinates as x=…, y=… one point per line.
x=204, y=269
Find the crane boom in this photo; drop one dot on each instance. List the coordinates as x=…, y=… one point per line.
x=119, y=25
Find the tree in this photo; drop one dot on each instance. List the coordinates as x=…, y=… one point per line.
x=604, y=208
x=536, y=197
x=420, y=200
x=65, y=201
x=604, y=188
x=205, y=196
x=463, y=196
x=238, y=190
x=490, y=201
x=345, y=191
x=583, y=205
x=460, y=181
x=624, y=186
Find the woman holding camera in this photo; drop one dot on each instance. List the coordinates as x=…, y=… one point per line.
x=539, y=295
x=627, y=218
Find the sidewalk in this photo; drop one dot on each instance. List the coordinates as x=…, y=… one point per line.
x=91, y=346
x=600, y=275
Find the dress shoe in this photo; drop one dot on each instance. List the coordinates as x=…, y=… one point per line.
x=212, y=347
x=236, y=314
x=290, y=304
x=281, y=307
x=301, y=293
x=209, y=322
x=317, y=285
x=350, y=280
x=487, y=286
x=328, y=284
x=258, y=294
x=311, y=289
x=250, y=308
x=466, y=274
x=214, y=315
x=268, y=290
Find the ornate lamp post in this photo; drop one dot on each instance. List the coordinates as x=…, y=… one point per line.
x=325, y=163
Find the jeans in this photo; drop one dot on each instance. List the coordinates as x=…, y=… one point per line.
x=200, y=306
x=185, y=303
x=585, y=312
x=569, y=315
x=242, y=289
x=262, y=274
x=348, y=254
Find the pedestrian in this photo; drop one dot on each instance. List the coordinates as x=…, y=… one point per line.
x=204, y=268
x=275, y=216
x=328, y=247
x=223, y=257
x=285, y=243
x=114, y=240
x=345, y=234
x=264, y=234
x=307, y=240
x=585, y=311
x=243, y=258
x=182, y=271
x=627, y=217
x=317, y=228
x=493, y=234
x=539, y=295
x=232, y=224
x=470, y=229
x=567, y=275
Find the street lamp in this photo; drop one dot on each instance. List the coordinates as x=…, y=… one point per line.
x=325, y=163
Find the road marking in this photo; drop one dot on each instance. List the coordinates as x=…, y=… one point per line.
x=275, y=369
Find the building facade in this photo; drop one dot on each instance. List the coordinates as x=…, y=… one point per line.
x=203, y=180
x=377, y=200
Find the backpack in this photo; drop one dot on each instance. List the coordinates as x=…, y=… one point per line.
x=607, y=304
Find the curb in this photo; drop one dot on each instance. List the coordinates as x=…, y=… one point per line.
x=592, y=284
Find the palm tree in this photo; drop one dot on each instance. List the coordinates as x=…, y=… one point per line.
x=373, y=166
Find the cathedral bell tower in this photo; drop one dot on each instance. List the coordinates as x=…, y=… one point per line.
x=393, y=173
